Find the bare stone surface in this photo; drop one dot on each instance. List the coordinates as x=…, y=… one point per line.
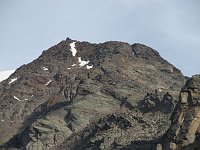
x=56, y=103
x=183, y=131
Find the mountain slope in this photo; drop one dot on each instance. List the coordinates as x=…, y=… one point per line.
x=82, y=94
x=5, y=74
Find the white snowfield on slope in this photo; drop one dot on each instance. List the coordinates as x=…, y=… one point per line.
x=5, y=74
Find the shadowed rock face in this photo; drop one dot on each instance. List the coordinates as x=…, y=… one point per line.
x=184, y=130
x=88, y=99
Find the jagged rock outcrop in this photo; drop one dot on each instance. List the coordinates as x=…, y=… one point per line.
x=184, y=130
x=153, y=102
x=78, y=95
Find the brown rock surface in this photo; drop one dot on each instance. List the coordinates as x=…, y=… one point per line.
x=55, y=102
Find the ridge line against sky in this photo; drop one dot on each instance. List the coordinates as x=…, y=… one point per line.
x=171, y=27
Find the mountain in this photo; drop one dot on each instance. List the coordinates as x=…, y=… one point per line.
x=5, y=74
x=81, y=95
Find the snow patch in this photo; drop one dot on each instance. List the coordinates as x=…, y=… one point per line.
x=2, y=120
x=68, y=68
x=16, y=98
x=89, y=67
x=44, y=68
x=73, y=50
x=5, y=74
x=160, y=90
x=12, y=80
x=48, y=82
x=73, y=65
x=82, y=62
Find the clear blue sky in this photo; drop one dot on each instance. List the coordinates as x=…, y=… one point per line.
x=27, y=27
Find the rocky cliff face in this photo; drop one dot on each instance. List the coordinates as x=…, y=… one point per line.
x=184, y=131
x=79, y=95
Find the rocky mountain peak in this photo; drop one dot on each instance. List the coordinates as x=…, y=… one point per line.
x=145, y=52
x=84, y=93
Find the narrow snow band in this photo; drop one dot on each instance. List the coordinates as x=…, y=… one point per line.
x=48, y=82
x=16, y=98
x=73, y=50
x=12, y=80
